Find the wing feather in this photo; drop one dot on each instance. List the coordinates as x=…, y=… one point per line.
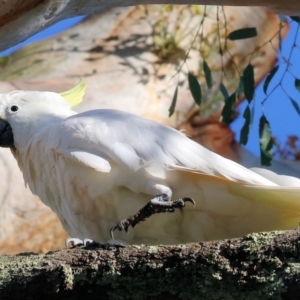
x=134, y=142
x=91, y=160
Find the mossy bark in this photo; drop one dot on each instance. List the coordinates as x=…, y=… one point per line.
x=258, y=266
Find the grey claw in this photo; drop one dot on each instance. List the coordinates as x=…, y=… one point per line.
x=191, y=200
x=180, y=203
x=118, y=226
x=86, y=242
x=112, y=229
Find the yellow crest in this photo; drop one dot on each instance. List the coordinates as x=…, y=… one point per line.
x=75, y=95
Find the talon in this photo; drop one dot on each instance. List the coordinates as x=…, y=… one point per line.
x=74, y=241
x=159, y=204
x=112, y=229
x=86, y=242
x=120, y=226
x=191, y=200
x=180, y=203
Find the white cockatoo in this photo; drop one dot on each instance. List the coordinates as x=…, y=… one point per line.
x=96, y=168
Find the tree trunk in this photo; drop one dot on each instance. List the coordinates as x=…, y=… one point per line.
x=20, y=19
x=258, y=266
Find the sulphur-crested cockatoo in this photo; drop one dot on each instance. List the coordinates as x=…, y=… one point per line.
x=96, y=168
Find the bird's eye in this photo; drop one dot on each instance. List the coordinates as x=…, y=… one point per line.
x=14, y=108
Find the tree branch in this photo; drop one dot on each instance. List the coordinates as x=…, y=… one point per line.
x=258, y=266
x=21, y=19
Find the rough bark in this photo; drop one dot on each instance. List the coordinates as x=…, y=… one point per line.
x=258, y=266
x=20, y=19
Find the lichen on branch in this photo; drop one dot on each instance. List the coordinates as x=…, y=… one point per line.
x=257, y=266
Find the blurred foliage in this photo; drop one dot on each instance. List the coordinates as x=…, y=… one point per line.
x=202, y=42
x=290, y=150
x=3, y=60
x=174, y=41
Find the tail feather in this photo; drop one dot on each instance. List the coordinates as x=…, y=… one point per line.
x=281, y=180
x=228, y=209
x=282, y=199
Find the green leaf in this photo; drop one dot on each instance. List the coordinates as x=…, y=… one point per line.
x=295, y=18
x=269, y=78
x=296, y=106
x=243, y=33
x=173, y=104
x=228, y=109
x=240, y=89
x=248, y=76
x=4, y=60
x=224, y=91
x=246, y=127
x=195, y=88
x=280, y=38
x=266, y=141
x=197, y=9
x=158, y=40
x=207, y=74
x=297, y=84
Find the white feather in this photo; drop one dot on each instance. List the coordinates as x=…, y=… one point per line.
x=89, y=159
x=96, y=168
x=281, y=180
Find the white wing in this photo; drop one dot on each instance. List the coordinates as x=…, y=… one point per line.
x=117, y=149
x=115, y=137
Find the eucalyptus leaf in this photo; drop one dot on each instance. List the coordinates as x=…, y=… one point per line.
x=173, y=104
x=249, y=83
x=269, y=78
x=240, y=89
x=295, y=18
x=266, y=141
x=224, y=91
x=228, y=109
x=280, y=38
x=207, y=74
x=296, y=106
x=297, y=84
x=243, y=33
x=246, y=127
x=195, y=88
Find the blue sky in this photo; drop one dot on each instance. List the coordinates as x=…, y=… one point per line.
x=58, y=27
x=278, y=109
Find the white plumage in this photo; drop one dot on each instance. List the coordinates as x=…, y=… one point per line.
x=96, y=168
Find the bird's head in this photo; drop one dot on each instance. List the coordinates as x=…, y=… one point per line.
x=23, y=112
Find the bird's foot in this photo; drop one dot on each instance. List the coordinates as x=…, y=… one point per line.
x=78, y=242
x=160, y=204
x=90, y=244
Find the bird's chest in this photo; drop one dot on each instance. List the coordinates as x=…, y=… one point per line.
x=67, y=187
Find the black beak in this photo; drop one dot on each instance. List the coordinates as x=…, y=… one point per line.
x=6, y=135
